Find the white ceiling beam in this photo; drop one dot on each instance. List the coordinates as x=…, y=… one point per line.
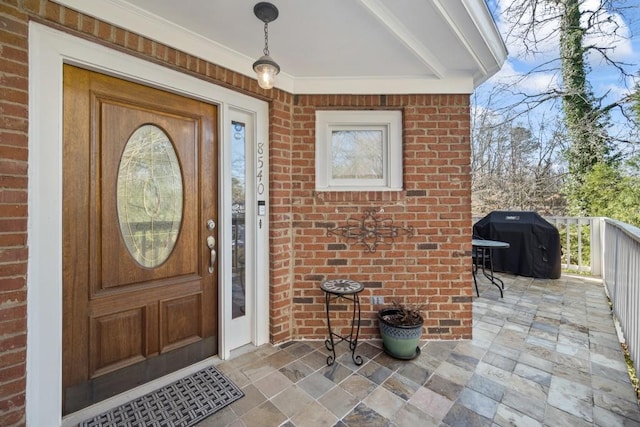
x=486, y=29
x=395, y=26
x=459, y=34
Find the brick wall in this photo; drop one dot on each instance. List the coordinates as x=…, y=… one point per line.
x=433, y=265
x=13, y=212
x=281, y=243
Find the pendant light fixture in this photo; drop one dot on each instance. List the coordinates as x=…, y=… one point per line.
x=265, y=66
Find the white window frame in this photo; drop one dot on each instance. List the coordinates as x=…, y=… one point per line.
x=388, y=121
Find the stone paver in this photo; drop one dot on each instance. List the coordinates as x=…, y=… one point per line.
x=547, y=354
x=478, y=403
x=385, y=402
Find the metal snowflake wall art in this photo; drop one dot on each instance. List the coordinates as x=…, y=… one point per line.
x=370, y=231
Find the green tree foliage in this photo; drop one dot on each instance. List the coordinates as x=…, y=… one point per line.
x=614, y=191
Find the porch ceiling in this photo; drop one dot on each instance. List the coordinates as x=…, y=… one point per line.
x=329, y=46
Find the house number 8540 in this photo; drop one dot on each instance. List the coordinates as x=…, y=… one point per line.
x=260, y=175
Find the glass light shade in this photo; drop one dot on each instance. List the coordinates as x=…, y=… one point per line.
x=267, y=69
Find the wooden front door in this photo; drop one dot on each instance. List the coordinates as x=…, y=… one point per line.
x=139, y=235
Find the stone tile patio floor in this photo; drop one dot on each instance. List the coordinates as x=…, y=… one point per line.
x=547, y=354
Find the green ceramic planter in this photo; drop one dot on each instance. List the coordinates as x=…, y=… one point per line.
x=400, y=342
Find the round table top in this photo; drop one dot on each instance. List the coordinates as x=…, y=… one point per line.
x=481, y=243
x=342, y=286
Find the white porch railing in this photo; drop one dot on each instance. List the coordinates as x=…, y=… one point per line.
x=610, y=249
x=581, y=239
x=622, y=279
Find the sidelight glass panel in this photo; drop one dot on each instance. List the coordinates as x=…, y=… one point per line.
x=149, y=196
x=238, y=195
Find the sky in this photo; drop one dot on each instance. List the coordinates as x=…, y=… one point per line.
x=624, y=46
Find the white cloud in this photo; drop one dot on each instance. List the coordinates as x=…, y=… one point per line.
x=615, y=91
x=621, y=89
x=525, y=82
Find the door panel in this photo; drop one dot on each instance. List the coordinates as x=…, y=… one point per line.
x=117, y=340
x=179, y=323
x=139, y=176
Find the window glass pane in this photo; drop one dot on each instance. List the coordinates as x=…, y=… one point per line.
x=238, y=195
x=357, y=154
x=149, y=196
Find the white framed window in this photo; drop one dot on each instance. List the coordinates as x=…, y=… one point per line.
x=358, y=150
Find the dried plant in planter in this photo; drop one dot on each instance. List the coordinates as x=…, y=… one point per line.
x=401, y=329
x=404, y=314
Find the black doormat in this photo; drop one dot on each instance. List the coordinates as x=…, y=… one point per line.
x=179, y=404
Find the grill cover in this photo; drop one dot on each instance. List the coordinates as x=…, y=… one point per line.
x=534, y=249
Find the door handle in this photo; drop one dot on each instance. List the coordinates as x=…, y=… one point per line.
x=211, y=244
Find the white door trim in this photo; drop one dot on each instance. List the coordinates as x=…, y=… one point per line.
x=48, y=50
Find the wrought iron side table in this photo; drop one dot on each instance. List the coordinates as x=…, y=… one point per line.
x=349, y=290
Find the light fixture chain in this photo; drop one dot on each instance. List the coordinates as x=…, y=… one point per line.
x=266, y=39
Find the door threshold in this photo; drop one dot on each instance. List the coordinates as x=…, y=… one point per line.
x=242, y=350
x=73, y=419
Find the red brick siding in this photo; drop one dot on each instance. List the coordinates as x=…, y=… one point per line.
x=13, y=211
x=431, y=267
x=436, y=200
x=281, y=243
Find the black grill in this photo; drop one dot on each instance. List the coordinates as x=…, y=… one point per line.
x=534, y=249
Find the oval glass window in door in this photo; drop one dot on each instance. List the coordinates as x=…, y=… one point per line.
x=149, y=196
